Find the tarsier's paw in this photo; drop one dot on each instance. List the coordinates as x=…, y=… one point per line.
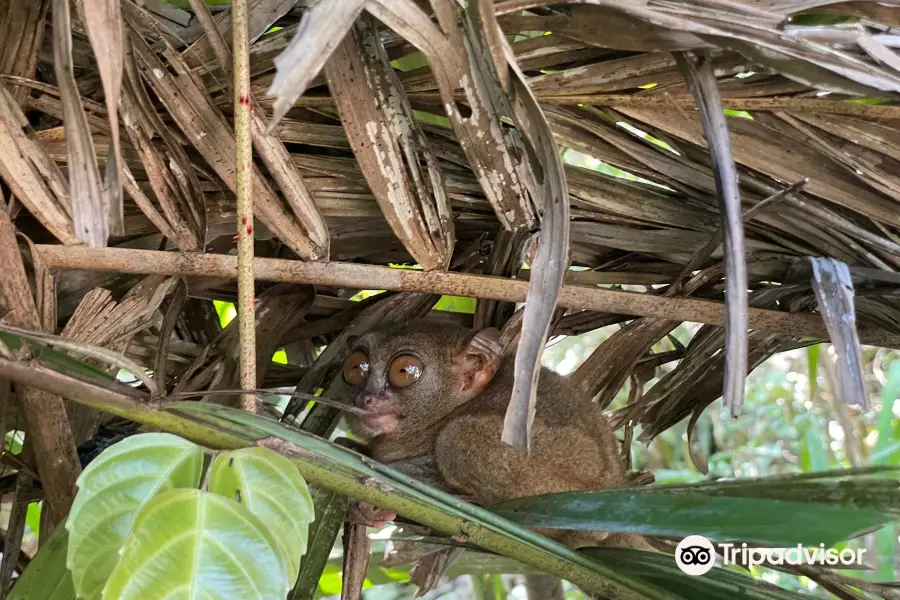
x=363, y=513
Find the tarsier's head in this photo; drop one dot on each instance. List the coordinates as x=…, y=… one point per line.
x=408, y=377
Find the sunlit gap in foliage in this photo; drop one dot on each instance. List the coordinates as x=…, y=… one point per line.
x=742, y=114
x=646, y=136
x=578, y=159
x=227, y=312
x=457, y=304
x=432, y=119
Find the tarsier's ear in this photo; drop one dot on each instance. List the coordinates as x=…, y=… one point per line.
x=477, y=361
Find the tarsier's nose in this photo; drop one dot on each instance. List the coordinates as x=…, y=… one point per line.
x=366, y=401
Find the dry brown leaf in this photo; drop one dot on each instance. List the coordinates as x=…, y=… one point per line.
x=34, y=178
x=702, y=82
x=90, y=206
x=461, y=62
x=321, y=30
x=395, y=157
x=834, y=293
x=203, y=123
x=106, y=30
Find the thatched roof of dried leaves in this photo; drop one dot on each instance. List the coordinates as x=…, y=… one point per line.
x=363, y=165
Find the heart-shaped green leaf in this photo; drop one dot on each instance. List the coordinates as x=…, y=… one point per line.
x=111, y=491
x=271, y=487
x=195, y=545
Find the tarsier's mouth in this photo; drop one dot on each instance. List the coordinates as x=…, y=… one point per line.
x=380, y=421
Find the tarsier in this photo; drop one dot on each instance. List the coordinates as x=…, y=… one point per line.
x=435, y=397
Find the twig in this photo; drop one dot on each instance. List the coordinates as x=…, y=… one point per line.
x=349, y=275
x=12, y=546
x=108, y=356
x=343, y=406
x=246, y=308
x=706, y=251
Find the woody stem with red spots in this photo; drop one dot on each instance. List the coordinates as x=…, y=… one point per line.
x=244, y=154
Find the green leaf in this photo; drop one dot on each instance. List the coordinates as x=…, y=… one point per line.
x=886, y=543
x=55, y=357
x=46, y=577
x=659, y=512
x=812, y=365
x=111, y=491
x=885, y=426
x=193, y=545
x=271, y=487
x=33, y=517
x=662, y=571
x=813, y=456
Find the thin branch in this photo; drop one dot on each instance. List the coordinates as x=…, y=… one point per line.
x=789, y=103
x=98, y=352
x=243, y=140
x=349, y=275
x=703, y=254
x=15, y=531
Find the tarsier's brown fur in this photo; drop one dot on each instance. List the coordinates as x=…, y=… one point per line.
x=445, y=429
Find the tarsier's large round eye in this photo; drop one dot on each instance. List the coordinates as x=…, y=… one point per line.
x=356, y=368
x=405, y=370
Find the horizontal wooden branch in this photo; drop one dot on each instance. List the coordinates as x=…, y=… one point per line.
x=358, y=276
x=684, y=101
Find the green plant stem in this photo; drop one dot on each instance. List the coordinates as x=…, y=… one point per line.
x=244, y=165
x=323, y=464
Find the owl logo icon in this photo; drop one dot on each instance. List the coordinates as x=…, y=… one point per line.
x=695, y=555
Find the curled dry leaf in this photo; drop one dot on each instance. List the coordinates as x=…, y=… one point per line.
x=35, y=180
x=106, y=31
x=390, y=146
x=834, y=293
x=702, y=82
x=321, y=30
x=461, y=62
x=90, y=205
x=551, y=262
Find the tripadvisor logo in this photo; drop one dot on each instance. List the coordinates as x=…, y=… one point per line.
x=695, y=555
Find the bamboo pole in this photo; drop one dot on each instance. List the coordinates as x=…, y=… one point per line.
x=244, y=156
x=358, y=276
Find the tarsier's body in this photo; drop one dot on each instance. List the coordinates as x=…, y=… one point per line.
x=437, y=396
